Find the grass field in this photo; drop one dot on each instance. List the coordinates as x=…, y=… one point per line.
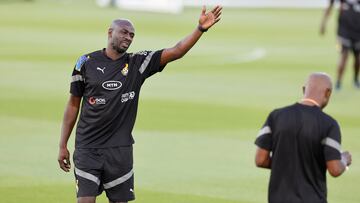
x=197, y=120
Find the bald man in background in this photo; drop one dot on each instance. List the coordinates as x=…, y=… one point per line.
x=108, y=83
x=298, y=143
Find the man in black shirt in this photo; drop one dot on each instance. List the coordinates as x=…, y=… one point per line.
x=348, y=36
x=298, y=143
x=107, y=85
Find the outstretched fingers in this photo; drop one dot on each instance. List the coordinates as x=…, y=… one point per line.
x=216, y=10
x=217, y=20
x=207, y=19
x=217, y=13
x=203, y=12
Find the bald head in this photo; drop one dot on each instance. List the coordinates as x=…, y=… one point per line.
x=120, y=35
x=318, y=87
x=121, y=22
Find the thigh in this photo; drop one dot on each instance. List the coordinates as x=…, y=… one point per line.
x=88, y=172
x=345, y=43
x=118, y=177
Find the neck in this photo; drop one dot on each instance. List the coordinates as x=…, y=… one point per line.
x=308, y=101
x=111, y=53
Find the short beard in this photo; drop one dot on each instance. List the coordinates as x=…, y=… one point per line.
x=118, y=49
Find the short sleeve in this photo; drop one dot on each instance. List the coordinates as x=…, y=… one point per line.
x=264, y=137
x=332, y=143
x=151, y=63
x=77, y=85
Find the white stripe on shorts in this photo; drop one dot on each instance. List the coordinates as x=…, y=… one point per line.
x=119, y=180
x=86, y=175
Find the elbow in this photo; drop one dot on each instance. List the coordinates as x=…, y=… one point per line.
x=335, y=168
x=263, y=158
x=258, y=162
x=261, y=162
x=259, y=165
x=178, y=55
x=336, y=172
x=335, y=175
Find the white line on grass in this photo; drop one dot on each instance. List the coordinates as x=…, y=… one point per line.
x=241, y=55
x=253, y=55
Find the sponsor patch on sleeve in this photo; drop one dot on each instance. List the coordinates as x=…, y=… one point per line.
x=143, y=53
x=80, y=62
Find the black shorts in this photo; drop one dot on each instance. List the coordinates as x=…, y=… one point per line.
x=109, y=169
x=349, y=44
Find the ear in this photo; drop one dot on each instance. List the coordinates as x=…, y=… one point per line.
x=328, y=93
x=110, y=30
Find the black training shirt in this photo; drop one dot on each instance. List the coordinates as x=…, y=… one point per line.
x=301, y=139
x=349, y=20
x=110, y=94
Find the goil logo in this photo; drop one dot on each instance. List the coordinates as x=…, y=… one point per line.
x=111, y=85
x=94, y=101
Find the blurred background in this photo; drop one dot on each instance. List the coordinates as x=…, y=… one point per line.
x=197, y=120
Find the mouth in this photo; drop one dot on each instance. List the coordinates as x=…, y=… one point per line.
x=125, y=44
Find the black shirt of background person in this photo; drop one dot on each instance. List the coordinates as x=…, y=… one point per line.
x=301, y=138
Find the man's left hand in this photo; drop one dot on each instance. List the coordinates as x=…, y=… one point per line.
x=209, y=19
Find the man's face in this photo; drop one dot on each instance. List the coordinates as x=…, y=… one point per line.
x=121, y=37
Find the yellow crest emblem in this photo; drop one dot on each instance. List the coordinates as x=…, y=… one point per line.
x=125, y=70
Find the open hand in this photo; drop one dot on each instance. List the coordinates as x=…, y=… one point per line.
x=210, y=18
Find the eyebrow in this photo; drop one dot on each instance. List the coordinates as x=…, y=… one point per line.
x=127, y=30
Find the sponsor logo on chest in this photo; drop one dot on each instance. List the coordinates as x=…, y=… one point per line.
x=93, y=101
x=111, y=85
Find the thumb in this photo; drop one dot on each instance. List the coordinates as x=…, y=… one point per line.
x=68, y=161
x=203, y=10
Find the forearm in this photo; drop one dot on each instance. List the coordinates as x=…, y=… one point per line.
x=265, y=164
x=187, y=43
x=327, y=13
x=263, y=158
x=206, y=21
x=181, y=48
x=69, y=120
x=65, y=134
x=336, y=167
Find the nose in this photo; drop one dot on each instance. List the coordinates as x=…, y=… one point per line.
x=128, y=37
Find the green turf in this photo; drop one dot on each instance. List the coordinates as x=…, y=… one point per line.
x=197, y=120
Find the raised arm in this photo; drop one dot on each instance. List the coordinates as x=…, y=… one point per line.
x=206, y=21
x=325, y=18
x=69, y=120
